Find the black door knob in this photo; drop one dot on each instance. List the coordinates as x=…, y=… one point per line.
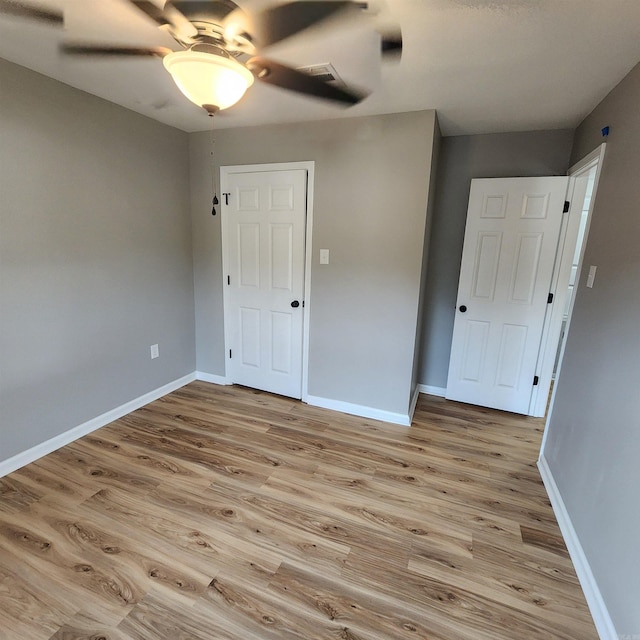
x=295, y=304
x=462, y=308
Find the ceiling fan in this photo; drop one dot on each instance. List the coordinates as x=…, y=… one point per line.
x=220, y=45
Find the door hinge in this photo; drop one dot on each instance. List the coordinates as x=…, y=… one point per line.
x=226, y=197
x=567, y=204
x=228, y=279
x=535, y=381
x=550, y=298
x=229, y=352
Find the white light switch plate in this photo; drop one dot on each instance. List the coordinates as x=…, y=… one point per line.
x=591, y=277
x=324, y=256
x=155, y=352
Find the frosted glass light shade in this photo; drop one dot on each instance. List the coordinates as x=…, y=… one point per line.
x=207, y=78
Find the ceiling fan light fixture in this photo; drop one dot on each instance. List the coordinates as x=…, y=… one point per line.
x=209, y=80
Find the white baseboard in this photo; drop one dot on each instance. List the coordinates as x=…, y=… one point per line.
x=359, y=410
x=432, y=391
x=211, y=377
x=42, y=449
x=599, y=612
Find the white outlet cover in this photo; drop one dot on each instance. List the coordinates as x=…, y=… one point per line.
x=155, y=351
x=324, y=256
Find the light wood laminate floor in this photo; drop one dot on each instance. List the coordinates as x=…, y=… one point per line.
x=223, y=512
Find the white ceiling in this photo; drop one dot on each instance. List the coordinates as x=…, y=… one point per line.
x=485, y=65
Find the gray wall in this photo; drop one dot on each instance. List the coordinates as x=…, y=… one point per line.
x=502, y=155
x=423, y=308
x=95, y=257
x=371, y=189
x=593, y=438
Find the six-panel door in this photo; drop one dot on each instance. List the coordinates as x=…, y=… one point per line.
x=511, y=239
x=265, y=222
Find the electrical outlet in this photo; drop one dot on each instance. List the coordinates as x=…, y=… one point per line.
x=155, y=352
x=592, y=276
x=324, y=256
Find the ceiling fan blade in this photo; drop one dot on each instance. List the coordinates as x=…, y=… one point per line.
x=78, y=49
x=167, y=16
x=9, y=7
x=195, y=9
x=285, y=20
x=153, y=10
x=280, y=75
x=391, y=44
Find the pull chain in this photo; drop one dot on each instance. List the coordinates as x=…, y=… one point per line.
x=213, y=171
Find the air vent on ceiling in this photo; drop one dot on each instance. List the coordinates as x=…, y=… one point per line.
x=324, y=72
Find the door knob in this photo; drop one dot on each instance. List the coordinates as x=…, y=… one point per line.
x=295, y=304
x=462, y=308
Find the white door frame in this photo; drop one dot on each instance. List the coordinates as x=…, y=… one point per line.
x=560, y=284
x=309, y=167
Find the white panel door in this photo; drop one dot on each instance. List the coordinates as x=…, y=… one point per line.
x=265, y=222
x=510, y=244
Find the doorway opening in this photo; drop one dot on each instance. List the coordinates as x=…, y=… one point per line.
x=583, y=186
x=580, y=242
x=530, y=294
